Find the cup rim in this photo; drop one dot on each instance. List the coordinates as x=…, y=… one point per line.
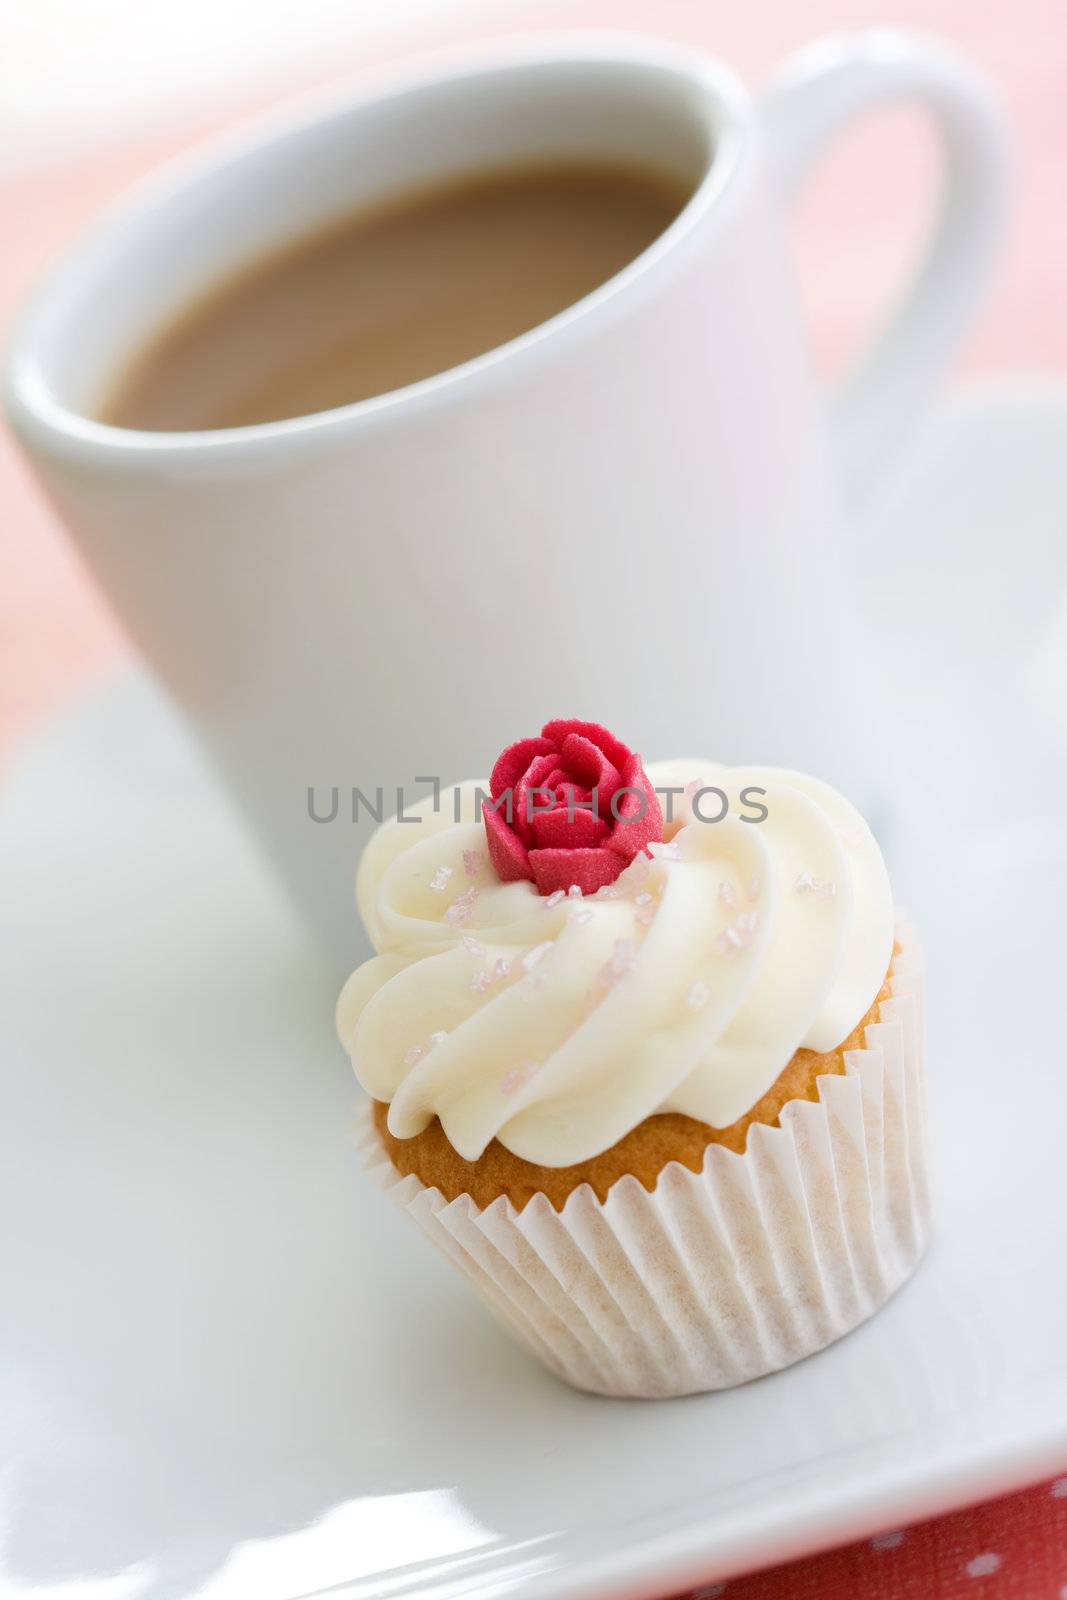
x=43, y=420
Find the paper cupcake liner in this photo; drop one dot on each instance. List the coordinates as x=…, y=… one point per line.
x=725, y=1274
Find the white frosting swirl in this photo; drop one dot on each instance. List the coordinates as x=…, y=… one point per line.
x=558, y=1024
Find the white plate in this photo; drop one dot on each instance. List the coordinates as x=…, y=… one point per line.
x=231, y=1370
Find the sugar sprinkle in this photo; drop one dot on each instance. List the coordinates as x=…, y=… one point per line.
x=461, y=908
x=517, y=1077
x=821, y=888
x=623, y=960
x=698, y=995
x=536, y=954
x=472, y=862
x=738, y=934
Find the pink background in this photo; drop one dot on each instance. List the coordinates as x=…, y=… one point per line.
x=857, y=230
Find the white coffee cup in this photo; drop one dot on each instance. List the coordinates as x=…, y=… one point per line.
x=630, y=514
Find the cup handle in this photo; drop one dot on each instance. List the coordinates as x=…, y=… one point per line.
x=816, y=93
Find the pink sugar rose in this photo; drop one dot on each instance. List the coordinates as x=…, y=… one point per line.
x=581, y=808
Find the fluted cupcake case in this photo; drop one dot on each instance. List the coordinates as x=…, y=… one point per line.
x=723, y=1275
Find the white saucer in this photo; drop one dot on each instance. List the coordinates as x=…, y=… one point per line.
x=230, y=1370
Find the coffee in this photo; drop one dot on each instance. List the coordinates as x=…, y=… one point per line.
x=386, y=296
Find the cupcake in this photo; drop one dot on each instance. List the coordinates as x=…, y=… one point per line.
x=643, y=1049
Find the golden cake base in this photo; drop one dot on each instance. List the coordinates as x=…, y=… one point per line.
x=643, y=1152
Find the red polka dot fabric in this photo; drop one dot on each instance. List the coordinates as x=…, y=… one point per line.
x=1009, y=1549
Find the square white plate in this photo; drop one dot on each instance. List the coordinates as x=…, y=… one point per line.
x=230, y=1370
